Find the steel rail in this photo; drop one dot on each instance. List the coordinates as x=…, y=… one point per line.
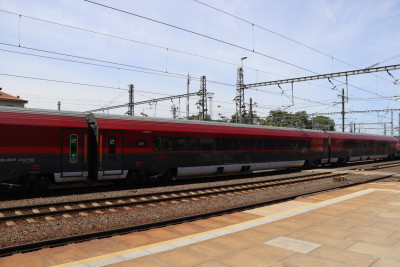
x=77, y=202
x=6, y=251
x=191, y=193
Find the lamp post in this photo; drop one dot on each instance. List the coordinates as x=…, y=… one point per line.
x=242, y=58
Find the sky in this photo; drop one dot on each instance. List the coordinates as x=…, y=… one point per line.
x=85, y=55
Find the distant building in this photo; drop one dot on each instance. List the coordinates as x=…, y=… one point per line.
x=11, y=101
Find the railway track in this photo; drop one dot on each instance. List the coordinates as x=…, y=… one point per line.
x=385, y=165
x=32, y=213
x=4, y=251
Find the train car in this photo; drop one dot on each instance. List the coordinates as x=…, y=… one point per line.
x=41, y=145
x=398, y=146
x=179, y=148
x=347, y=147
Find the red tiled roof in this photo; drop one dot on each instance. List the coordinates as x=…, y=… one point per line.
x=7, y=97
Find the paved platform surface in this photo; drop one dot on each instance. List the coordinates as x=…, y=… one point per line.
x=356, y=226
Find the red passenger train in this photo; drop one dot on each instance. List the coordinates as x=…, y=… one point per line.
x=38, y=147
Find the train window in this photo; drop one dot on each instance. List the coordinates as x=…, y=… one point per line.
x=140, y=143
x=271, y=144
x=364, y=144
x=292, y=144
x=224, y=144
x=242, y=144
x=257, y=144
x=295, y=145
x=166, y=144
x=162, y=144
x=193, y=144
x=386, y=145
x=111, y=145
x=349, y=144
x=73, y=148
x=156, y=143
x=206, y=144
x=181, y=144
x=287, y=144
x=302, y=144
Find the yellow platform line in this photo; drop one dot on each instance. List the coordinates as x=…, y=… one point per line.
x=119, y=253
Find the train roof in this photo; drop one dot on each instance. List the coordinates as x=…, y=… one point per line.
x=101, y=118
x=361, y=136
x=42, y=117
x=15, y=115
x=107, y=121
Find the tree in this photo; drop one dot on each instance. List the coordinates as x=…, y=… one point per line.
x=246, y=118
x=299, y=119
x=323, y=123
x=277, y=118
x=197, y=117
x=282, y=118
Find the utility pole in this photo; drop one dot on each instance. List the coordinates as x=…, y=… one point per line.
x=210, y=97
x=342, y=109
x=131, y=108
x=251, y=110
x=202, y=103
x=187, y=97
x=59, y=105
x=384, y=128
x=239, y=95
x=391, y=123
x=173, y=108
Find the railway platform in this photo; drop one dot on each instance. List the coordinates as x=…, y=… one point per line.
x=355, y=226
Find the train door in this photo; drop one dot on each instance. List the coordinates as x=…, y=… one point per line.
x=111, y=152
x=325, y=154
x=74, y=152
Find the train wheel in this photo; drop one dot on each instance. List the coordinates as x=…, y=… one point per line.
x=310, y=165
x=306, y=165
x=39, y=184
x=26, y=183
x=342, y=162
x=131, y=179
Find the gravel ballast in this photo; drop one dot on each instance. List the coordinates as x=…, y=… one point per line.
x=78, y=224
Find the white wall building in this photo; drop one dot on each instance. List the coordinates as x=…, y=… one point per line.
x=11, y=101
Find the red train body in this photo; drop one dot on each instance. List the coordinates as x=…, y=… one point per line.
x=42, y=146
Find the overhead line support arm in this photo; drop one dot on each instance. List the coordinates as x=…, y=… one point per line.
x=145, y=102
x=324, y=76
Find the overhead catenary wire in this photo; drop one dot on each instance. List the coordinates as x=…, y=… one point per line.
x=329, y=104
x=60, y=81
x=266, y=29
x=149, y=92
x=200, y=34
x=208, y=37
x=139, y=42
x=293, y=40
x=75, y=83
x=135, y=41
x=107, y=66
x=142, y=69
